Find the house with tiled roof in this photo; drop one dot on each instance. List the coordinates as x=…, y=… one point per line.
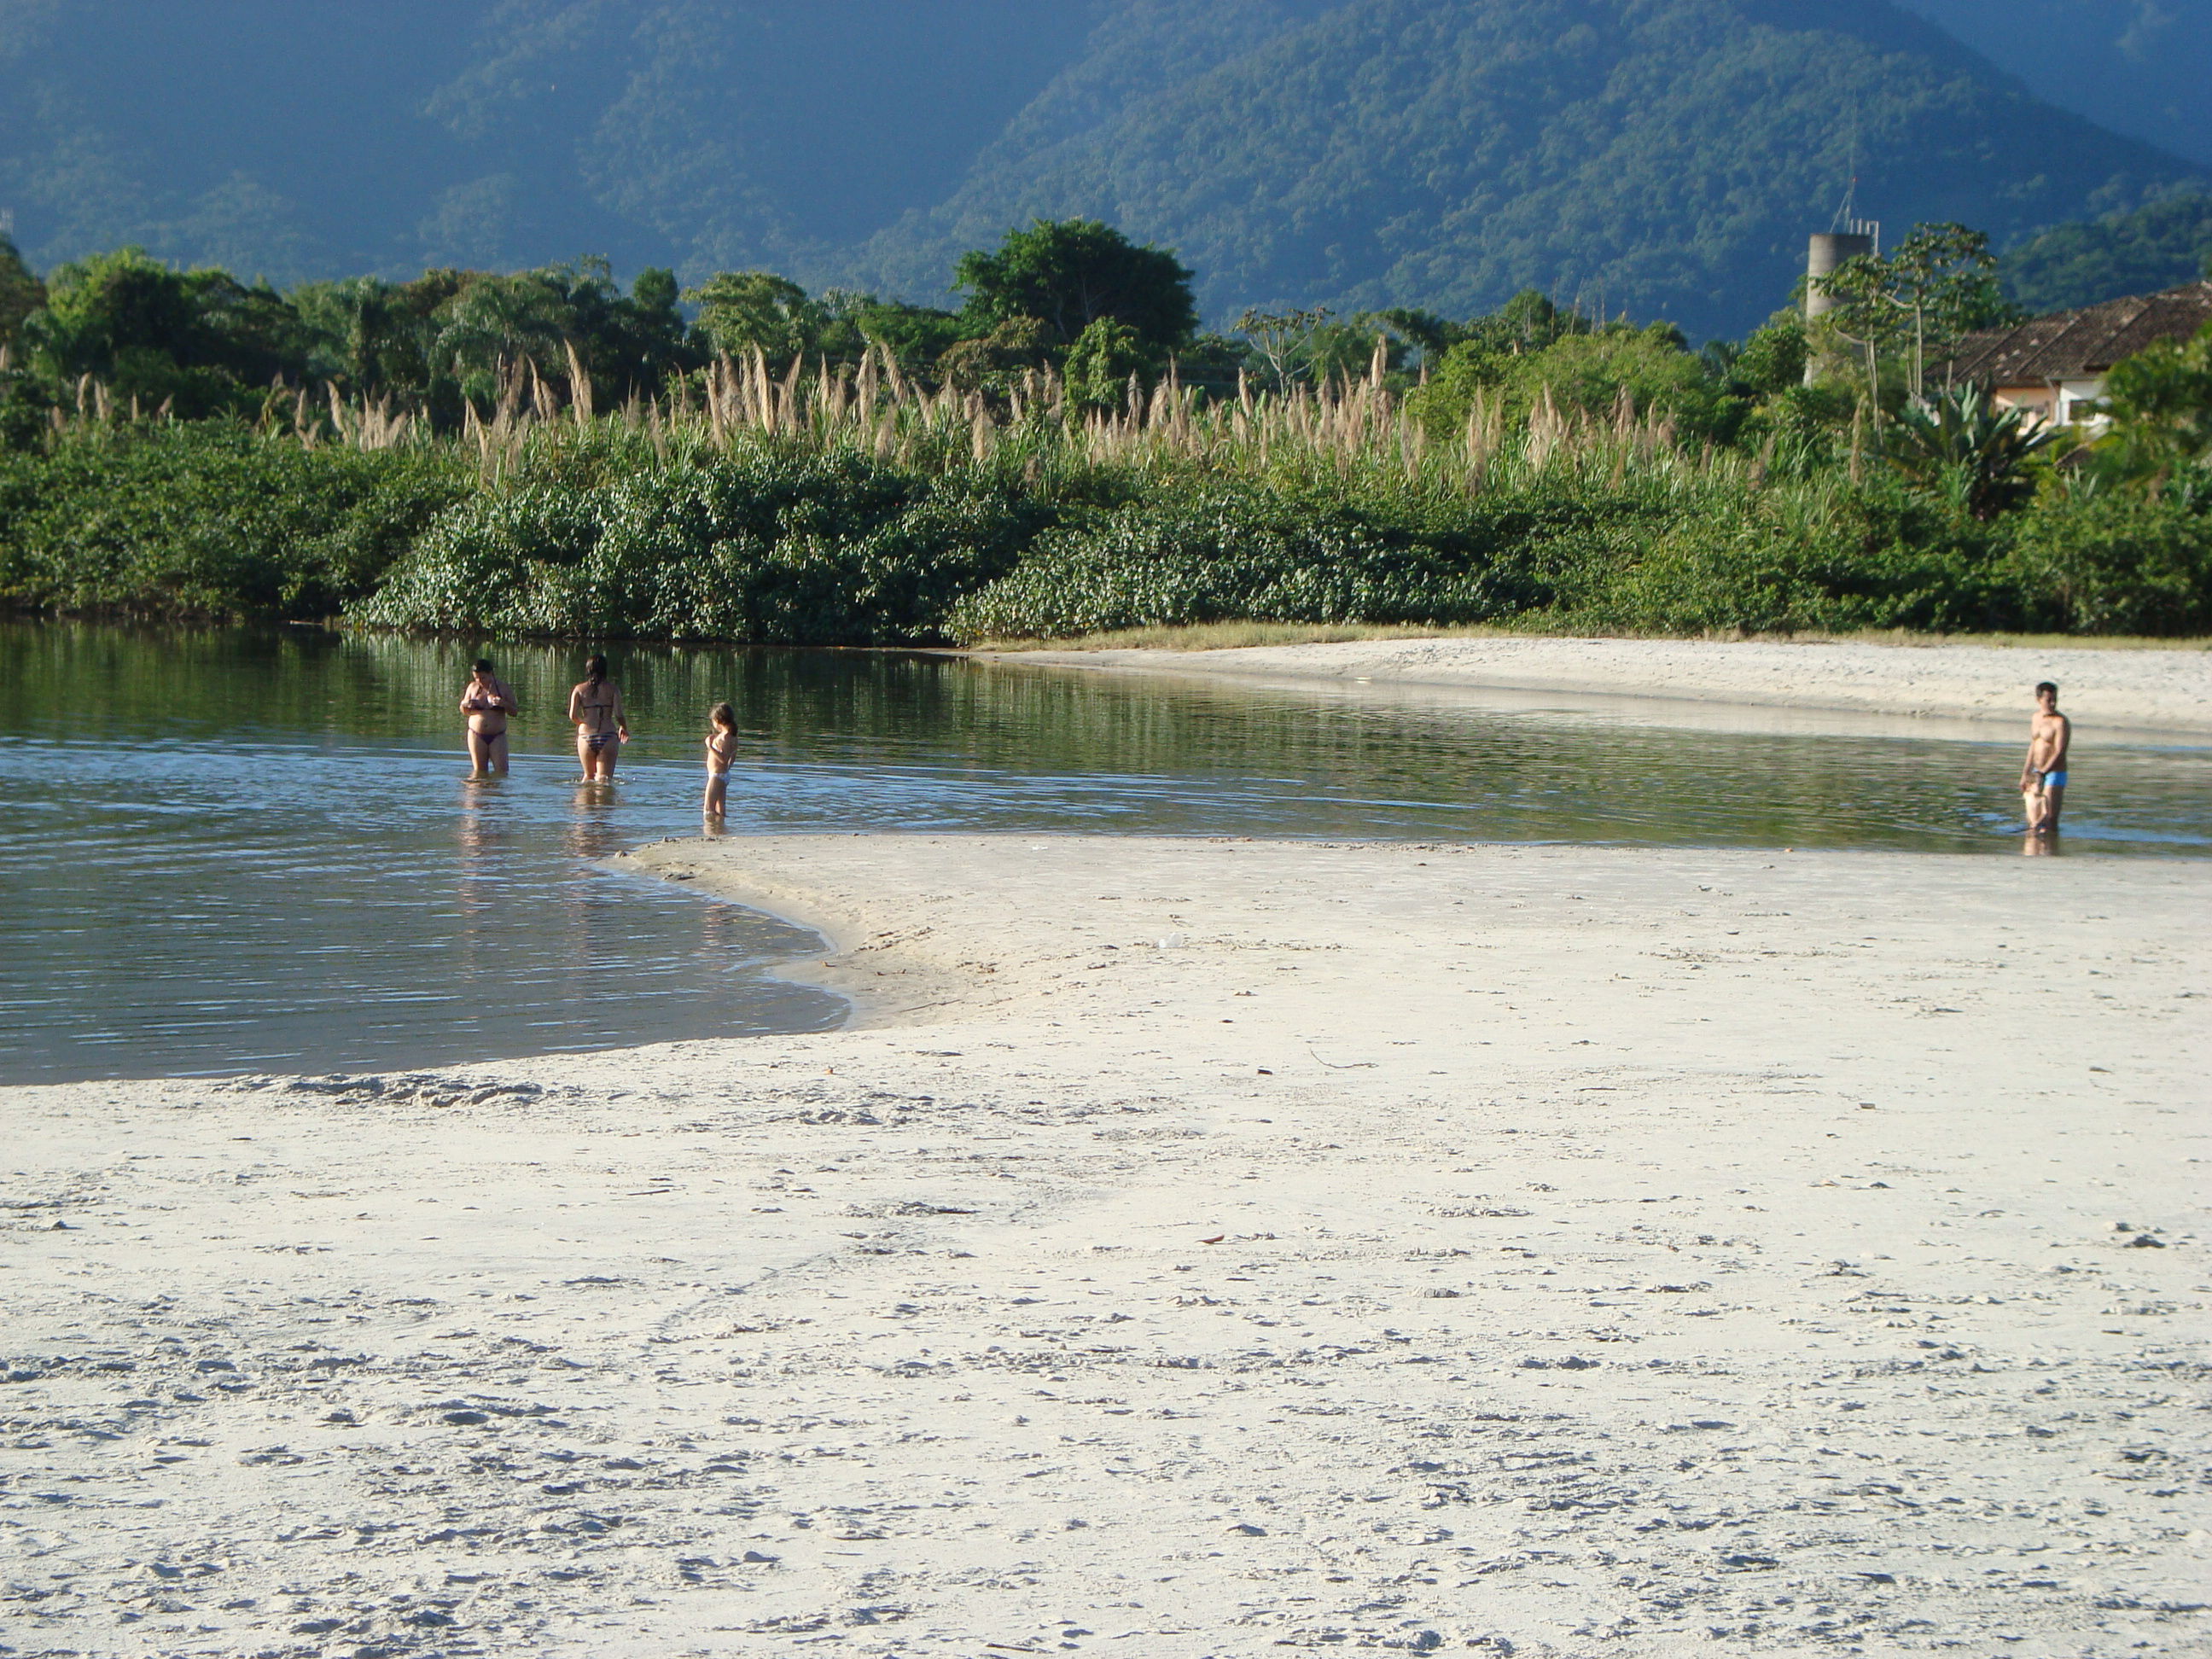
x=2053, y=365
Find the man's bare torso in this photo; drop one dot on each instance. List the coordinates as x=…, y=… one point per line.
x=2047, y=738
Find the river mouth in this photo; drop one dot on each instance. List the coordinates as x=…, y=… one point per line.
x=240, y=851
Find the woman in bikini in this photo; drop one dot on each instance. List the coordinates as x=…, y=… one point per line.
x=487, y=701
x=721, y=752
x=595, y=709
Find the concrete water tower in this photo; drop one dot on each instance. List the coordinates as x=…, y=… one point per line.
x=1829, y=250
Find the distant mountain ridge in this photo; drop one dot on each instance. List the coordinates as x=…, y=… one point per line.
x=2140, y=67
x=1663, y=156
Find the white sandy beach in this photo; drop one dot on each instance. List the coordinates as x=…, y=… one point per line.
x=2168, y=692
x=1203, y=1247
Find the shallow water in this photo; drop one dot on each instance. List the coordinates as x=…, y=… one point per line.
x=236, y=852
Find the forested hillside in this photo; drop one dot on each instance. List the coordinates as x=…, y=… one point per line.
x=2161, y=245
x=1661, y=156
x=2137, y=66
x=1665, y=157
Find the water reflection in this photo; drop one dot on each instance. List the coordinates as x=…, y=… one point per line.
x=237, y=850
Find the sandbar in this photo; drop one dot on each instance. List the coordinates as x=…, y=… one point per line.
x=2144, y=690
x=1194, y=1248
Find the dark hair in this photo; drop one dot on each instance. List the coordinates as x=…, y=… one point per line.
x=482, y=665
x=2042, y=686
x=722, y=714
x=595, y=669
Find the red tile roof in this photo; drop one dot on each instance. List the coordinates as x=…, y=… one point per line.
x=2078, y=345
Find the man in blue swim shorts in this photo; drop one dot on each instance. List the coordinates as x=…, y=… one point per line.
x=2043, y=779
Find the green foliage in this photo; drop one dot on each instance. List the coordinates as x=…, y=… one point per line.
x=1935, y=287
x=2098, y=562
x=1511, y=360
x=209, y=521
x=1804, y=558
x=1552, y=552
x=20, y=293
x=1772, y=361
x=1211, y=551
x=918, y=335
x=2161, y=245
x=991, y=363
x=1106, y=357
x=1589, y=372
x=199, y=341
x=1959, y=446
x=1070, y=273
x=746, y=311
x=764, y=546
x=2160, y=405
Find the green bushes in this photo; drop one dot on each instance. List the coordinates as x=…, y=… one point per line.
x=1221, y=550
x=209, y=521
x=789, y=540
x=1799, y=559
x=1702, y=555
x=2114, y=563
x=765, y=545
x=1710, y=556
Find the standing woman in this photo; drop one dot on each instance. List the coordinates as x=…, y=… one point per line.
x=487, y=701
x=595, y=709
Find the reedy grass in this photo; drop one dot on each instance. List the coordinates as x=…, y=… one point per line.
x=1328, y=512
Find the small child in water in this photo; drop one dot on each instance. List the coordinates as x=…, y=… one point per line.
x=721, y=752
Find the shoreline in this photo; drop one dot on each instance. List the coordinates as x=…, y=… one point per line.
x=1825, y=684
x=1210, y=1244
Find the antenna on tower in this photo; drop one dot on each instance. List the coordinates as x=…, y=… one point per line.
x=1847, y=222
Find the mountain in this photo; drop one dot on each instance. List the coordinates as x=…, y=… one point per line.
x=2161, y=245
x=2139, y=67
x=312, y=138
x=1663, y=156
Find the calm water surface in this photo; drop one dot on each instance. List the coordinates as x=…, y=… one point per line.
x=241, y=851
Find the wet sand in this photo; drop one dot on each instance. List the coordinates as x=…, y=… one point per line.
x=1197, y=1248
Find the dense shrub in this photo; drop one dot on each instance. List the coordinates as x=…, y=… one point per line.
x=2114, y=563
x=784, y=542
x=1202, y=556
x=1648, y=558
x=765, y=546
x=209, y=520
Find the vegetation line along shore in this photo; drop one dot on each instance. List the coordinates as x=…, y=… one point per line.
x=1068, y=455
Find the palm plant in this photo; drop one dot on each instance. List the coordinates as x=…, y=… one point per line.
x=1959, y=443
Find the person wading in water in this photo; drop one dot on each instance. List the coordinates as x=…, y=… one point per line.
x=595, y=709
x=487, y=701
x=2043, y=778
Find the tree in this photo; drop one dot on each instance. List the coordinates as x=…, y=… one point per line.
x=744, y=310
x=1106, y=357
x=1590, y=371
x=20, y=292
x=1431, y=333
x=2160, y=402
x=199, y=340
x=1773, y=359
x=1069, y=273
x=1939, y=285
x=503, y=322
x=648, y=341
x=1279, y=339
x=917, y=336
